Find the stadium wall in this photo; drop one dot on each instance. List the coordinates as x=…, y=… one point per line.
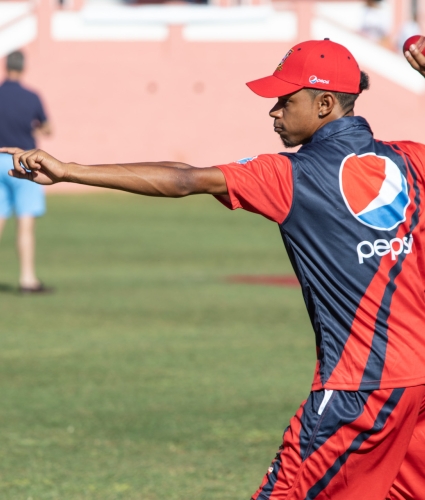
x=175, y=90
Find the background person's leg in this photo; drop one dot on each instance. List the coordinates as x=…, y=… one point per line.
x=29, y=203
x=5, y=192
x=6, y=198
x=25, y=242
x=2, y=224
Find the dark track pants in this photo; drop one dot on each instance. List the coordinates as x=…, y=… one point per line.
x=342, y=445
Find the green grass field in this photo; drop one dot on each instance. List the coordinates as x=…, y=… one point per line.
x=147, y=376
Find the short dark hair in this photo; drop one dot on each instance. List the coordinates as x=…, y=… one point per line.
x=15, y=61
x=346, y=101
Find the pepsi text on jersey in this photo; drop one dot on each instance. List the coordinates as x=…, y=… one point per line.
x=381, y=247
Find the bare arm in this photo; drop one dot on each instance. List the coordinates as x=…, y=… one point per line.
x=166, y=179
x=42, y=129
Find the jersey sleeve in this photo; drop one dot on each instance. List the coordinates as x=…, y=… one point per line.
x=262, y=185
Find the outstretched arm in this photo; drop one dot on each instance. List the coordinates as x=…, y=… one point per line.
x=166, y=179
x=416, y=59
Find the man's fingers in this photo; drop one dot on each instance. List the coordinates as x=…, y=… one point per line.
x=35, y=165
x=17, y=162
x=416, y=59
x=11, y=151
x=17, y=153
x=25, y=160
x=416, y=52
x=412, y=61
x=19, y=158
x=34, y=160
x=19, y=175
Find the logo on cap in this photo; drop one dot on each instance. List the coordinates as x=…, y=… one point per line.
x=282, y=62
x=374, y=190
x=313, y=80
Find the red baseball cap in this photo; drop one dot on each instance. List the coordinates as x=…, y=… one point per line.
x=316, y=64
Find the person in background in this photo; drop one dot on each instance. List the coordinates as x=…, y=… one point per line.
x=411, y=27
x=22, y=119
x=376, y=23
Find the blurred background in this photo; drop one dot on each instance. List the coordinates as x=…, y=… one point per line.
x=176, y=346
x=128, y=80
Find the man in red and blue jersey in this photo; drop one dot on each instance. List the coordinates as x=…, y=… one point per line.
x=351, y=213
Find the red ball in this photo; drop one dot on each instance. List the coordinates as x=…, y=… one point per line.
x=418, y=40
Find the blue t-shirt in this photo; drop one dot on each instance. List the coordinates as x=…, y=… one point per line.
x=20, y=111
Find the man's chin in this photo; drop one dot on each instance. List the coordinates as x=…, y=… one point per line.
x=287, y=143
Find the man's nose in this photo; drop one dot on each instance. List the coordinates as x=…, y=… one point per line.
x=276, y=112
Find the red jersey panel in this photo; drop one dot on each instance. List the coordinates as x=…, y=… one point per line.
x=262, y=185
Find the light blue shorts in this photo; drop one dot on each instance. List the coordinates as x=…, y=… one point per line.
x=17, y=196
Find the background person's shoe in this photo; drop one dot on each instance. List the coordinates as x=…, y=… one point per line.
x=40, y=288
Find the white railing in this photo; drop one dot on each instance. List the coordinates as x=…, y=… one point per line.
x=18, y=25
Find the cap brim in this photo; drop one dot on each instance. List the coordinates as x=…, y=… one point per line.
x=271, y=86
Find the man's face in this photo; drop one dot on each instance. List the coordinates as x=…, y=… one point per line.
x=295, y=118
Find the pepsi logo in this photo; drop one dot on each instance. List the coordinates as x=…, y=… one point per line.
x=313, y=80
x=246, y=160
x=374, y=190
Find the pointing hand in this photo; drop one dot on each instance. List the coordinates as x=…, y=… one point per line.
x=36, y=165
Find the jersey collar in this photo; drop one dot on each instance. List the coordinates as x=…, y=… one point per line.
x=339, y=126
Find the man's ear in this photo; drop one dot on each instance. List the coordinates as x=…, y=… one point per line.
x=326, y=104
